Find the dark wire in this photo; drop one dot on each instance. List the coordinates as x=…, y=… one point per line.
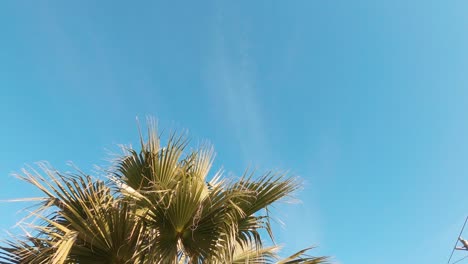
x=456, y=242
x=460, y=259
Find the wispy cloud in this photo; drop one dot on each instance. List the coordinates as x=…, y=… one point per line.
x=230, y=76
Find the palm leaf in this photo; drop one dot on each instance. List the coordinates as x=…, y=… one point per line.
x=157, y=208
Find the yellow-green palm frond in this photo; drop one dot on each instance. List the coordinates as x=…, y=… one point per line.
x=251, y=254
x=25, y=250
x=301, y=257
x=158, y=207
x=82, y=221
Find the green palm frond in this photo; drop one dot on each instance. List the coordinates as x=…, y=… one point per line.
x=87, y=221
x=303, y=258
x=265, y=190
x=250, y=254
x=25, y=250
x=157, y=207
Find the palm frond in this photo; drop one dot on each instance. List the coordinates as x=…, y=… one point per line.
x=250, y=254
x=157, y=207
x=303, y=258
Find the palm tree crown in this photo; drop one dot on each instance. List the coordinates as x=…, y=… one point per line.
x=157, y=206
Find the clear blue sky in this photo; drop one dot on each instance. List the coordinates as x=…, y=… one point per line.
x=366, y=100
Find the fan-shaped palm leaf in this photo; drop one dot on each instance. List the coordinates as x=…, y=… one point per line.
x=157, y=208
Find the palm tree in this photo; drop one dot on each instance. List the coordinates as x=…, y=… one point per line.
x=157, y=205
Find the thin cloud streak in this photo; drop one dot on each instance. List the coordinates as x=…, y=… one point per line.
x=229, y=75
x=231, y=81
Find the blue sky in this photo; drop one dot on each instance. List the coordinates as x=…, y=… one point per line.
x=366, y=100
